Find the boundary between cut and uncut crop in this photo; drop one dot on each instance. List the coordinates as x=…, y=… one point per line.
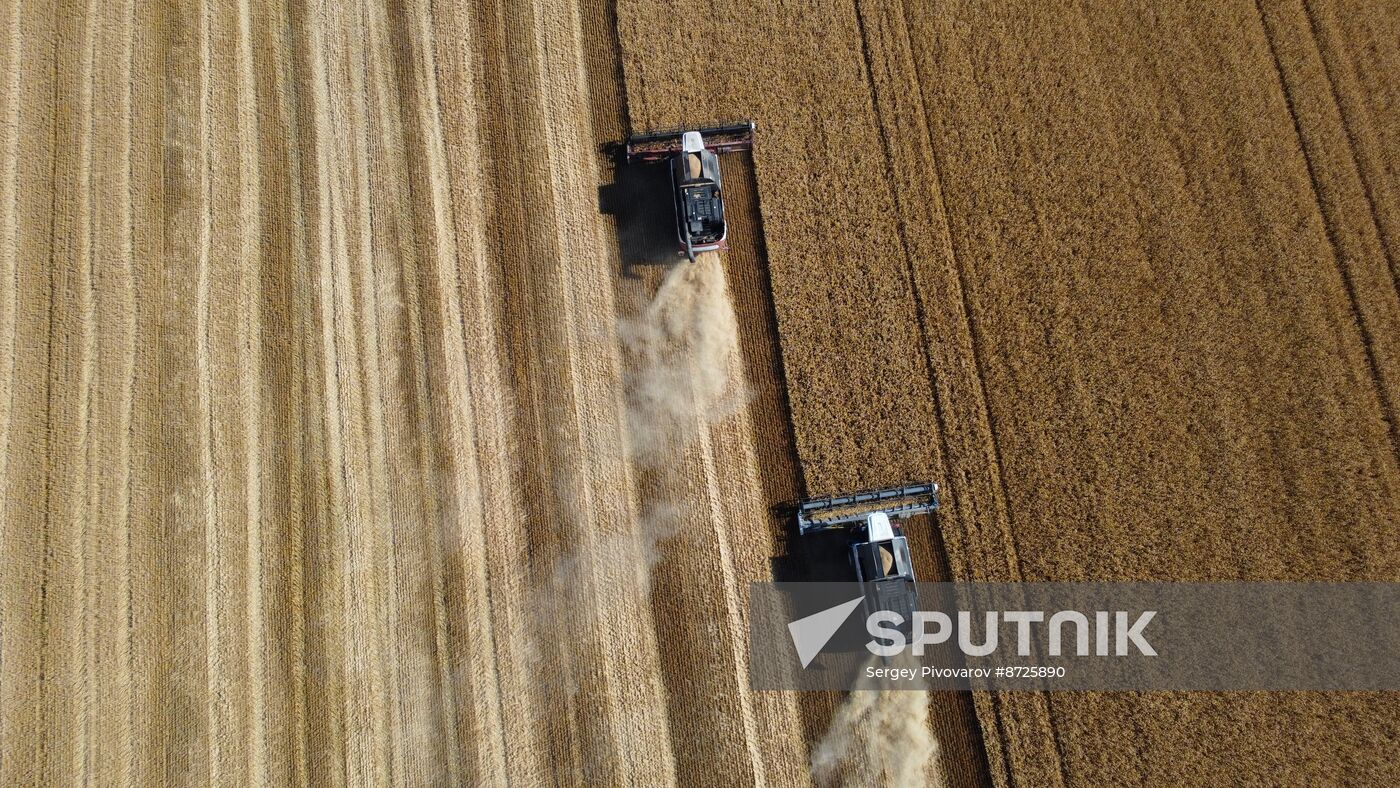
x=1000, y=712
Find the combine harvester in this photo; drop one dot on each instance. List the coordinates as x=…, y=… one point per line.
x=695, y=180
x=878, y=549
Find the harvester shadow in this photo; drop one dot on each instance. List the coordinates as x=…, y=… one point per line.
x=639, y=200
x=820, y=558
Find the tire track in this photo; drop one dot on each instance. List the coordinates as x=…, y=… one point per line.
x=11, y=591
x=1358, y=122
x=283, y=722
x=66, y=689
x=28, y=213
x=149, y=646
x=434, y=709
x=686, y=397
x=1340, y=192
x=114, y=284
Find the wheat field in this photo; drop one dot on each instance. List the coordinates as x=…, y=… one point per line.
x=343, y=441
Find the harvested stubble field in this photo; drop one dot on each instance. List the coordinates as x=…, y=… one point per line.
x=342, y=444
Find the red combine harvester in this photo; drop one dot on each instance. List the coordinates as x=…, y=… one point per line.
x=695, y=179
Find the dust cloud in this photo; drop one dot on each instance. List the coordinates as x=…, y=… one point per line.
x=621, y=555
x=878, y=737
x=683, y=374
x=683, y=352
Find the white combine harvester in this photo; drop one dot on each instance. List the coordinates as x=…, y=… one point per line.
x=695, y=178
x=879, y=550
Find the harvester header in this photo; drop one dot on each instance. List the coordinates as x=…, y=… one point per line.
x=663, y=145
x=837, y=511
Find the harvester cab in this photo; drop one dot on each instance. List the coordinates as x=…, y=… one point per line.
x=695, y=178
x=879, y=550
